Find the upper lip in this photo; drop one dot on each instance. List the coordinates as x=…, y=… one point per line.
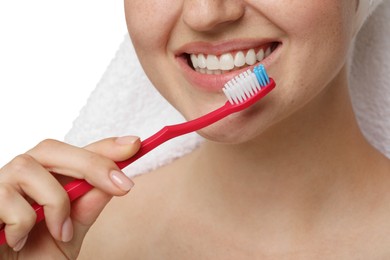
x=218, y=48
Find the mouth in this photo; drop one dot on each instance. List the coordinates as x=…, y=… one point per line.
x=211, y=66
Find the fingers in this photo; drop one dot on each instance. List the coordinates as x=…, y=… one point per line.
x=99, y=170
x=19, y=216
x=26, y=177
x=32, y=175
x=86, y=210
x=117, y=149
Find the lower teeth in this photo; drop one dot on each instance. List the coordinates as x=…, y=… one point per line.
x=217, y=72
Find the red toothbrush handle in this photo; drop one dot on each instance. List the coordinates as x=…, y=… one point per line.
x=77, y=188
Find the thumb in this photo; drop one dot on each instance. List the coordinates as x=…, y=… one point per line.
x=116, y=148
x=87, y=208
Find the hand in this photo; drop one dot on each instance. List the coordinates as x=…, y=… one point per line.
x=38, y=175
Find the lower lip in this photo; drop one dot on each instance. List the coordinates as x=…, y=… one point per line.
x=215, y=83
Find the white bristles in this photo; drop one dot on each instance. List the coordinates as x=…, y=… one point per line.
x=242, y=87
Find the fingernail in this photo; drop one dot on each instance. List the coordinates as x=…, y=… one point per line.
x=121, y=180
x=20, y=244
x=67, y=230
x=130, y=139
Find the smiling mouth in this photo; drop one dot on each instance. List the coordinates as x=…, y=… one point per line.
x=226, y=62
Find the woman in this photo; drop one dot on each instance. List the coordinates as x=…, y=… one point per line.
x=291, y=177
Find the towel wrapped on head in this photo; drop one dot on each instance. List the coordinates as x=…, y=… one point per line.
x=365, y=9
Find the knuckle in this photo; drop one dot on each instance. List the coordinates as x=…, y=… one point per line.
x=61, y=199
x=21, y=163
x=27, y=221
x=57, y=201
x=47, y=144
x=57, y=209
x=23, y=221
x=6, y=192
x=96, y=161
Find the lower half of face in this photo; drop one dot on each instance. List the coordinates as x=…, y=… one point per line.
x=189, y=49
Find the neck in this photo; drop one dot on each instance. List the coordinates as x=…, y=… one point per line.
x=315, y=155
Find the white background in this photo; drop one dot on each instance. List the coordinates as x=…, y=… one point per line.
x=52, y=55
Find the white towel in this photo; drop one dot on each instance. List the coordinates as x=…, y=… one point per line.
x=124, y=101
x=370, y=78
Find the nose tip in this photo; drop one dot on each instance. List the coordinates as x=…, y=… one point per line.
x=207, y=15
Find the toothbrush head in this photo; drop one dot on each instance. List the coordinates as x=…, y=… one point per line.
x=248, y=86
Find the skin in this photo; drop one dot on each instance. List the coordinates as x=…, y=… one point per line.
x=298, y=179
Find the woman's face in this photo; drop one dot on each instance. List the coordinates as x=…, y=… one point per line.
x=302, y=43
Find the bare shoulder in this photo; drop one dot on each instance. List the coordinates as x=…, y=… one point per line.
x=127, y=226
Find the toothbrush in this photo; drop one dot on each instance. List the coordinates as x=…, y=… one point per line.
x=242, y=91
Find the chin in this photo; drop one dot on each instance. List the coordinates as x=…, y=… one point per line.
x=234, y=129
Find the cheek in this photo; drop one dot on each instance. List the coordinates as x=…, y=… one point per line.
x=311, y=22
x=301, y=14
x=149, y=23
x=318, y=37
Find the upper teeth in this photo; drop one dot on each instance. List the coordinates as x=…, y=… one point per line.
x=212, y=64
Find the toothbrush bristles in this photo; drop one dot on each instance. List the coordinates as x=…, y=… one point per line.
x=246, y=85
